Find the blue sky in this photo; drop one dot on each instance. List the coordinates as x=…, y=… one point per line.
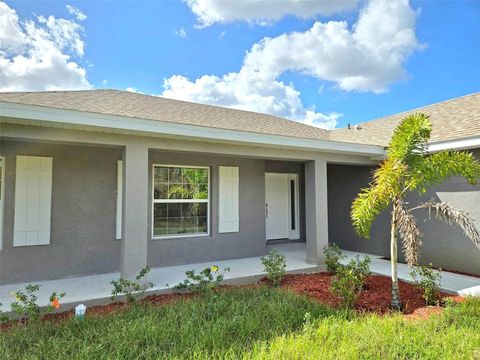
x=138, y=45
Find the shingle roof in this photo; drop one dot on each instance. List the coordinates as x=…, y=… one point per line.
x=451, y=119
x=134, y=105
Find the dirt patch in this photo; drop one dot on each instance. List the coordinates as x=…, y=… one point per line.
x=375, y=297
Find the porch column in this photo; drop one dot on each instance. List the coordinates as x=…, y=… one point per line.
x=316, y=210
x=135, y=210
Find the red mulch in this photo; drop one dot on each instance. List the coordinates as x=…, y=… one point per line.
x=374, y=298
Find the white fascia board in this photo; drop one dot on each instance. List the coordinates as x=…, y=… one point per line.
x=457, y=144
x=71, y=117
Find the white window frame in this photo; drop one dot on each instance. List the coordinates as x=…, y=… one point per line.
x=165, y=201
x=2, y=197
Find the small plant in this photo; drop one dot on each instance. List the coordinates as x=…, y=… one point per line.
x=205, y=281
x=3, y=317
x=349, y=280
x=26, y=305
x=333, y=255
x=427, y=279
x=361, y=267
x=449, y=302
x=274, y=264
x=133, y=290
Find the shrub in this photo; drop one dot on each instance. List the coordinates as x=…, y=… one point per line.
x=333, y=255
x=274, y=265
x=26, y=305
x=427, y=279
x=208, y=279
x=349, y=280
x=133, y=290
x=3, y=317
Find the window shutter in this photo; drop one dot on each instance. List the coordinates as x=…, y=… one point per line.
x=119, y=199
x=33, y=198
x=228, y=199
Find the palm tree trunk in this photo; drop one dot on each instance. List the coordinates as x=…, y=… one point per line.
x=396, y=302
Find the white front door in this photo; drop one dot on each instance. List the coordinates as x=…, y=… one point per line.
x=276, y=206
x=281, y=206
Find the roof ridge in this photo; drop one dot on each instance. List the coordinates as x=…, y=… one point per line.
x=411, y=110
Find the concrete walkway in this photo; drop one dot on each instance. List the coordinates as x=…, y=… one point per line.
x=450, y=282
x=96, y=289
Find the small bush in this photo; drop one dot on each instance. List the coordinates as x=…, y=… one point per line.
x=427, y=279
x=349, y=280
x=205, y=281
x=3, y=317
x=448, y=302
x=333, y=255
x=133, y=290
x=274, y=265
x=26, y=305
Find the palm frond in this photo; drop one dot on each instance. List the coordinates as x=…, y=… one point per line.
x=409, y=140
x=452, y=216
x=409, y=232
x=439, y=167
x=370, y=202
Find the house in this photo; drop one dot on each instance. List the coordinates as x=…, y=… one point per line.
x=100, y=181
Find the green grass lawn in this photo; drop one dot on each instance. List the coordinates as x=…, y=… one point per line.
x=248, y=323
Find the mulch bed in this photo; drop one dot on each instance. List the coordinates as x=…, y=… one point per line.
x=375, y=297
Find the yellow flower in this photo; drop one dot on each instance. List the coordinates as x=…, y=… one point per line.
x=214, y=268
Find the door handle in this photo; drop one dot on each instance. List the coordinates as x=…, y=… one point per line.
x=266, y=211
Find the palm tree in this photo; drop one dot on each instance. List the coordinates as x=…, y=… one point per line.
x=408, y=167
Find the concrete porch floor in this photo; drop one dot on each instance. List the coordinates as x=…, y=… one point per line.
x=96, y=289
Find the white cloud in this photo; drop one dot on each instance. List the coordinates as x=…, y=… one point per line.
x=263, y=12
x=369, y=56
x=40, y=53
x=181, y=33
x=76, y=12
x=133, y=89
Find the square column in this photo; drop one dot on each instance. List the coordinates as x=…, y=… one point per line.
x=316, y=210
x=135, y=210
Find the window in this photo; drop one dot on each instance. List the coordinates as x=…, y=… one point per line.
x=180, y=200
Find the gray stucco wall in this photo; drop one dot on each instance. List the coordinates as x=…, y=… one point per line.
x=249, y=241
x=83, y=214
x=443, y=245
x=344, y=182
x=84, y=206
